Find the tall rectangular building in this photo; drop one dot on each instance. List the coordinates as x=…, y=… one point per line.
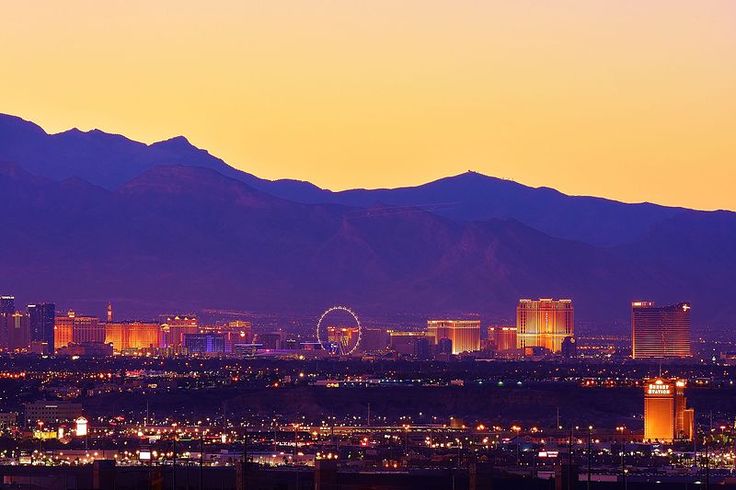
x=41, y=318
x=19, y=334
x=464, y=334
x=666, y=416
x=7, y=305
x=75, y=329
x=14, y=331
x=660, y=332
x=544, y=323
x=502, y=338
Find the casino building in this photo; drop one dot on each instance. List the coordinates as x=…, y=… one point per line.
x=464, y=334
x=660, y=332
x=666, y=416
x=544, y=323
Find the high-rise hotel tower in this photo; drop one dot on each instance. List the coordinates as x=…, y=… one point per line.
x=464, y=334
x=544, y=323
x=666, y=416
x=660, y=332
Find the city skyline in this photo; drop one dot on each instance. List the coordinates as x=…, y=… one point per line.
x=351, y=245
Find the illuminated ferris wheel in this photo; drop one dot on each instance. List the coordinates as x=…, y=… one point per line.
x=342, y=340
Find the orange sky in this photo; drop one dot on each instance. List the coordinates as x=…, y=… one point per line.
x=634, y=100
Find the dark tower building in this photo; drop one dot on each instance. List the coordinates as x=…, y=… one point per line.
x=42, y=324
x=660, y=332
x=7, y=305
x=569, y=347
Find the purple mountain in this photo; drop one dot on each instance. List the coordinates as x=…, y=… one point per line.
x=92, y=216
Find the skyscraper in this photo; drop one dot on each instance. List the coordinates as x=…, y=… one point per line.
x=544, y=323
x=7, y=305
x=666, y=416
x=41, y=317
x=464, y=334
x=14, y=331
x=660, y=332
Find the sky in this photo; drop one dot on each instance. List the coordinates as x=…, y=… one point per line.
x=632, y=100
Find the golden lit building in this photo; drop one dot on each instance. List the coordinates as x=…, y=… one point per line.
x=502, y=338
x=75, y=329
x=464, y=334
x=666, y=416
x=660, y=332
x=544, y=323
x=133, y=335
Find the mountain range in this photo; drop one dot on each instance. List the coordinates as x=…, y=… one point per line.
x=90, y=217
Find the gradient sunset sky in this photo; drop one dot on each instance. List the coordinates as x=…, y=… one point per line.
x=633, y=100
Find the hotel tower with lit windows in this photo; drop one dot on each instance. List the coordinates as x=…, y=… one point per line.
x=666, y=416
x=660, y=332
x=464, y=334
x=544, y=323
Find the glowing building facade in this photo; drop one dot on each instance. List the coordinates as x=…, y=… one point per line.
x=660, y=332
x=464, y=334
x=75, y=329
x=502, y=338
x=666, y=416
x=131, y=336
x=544, y=323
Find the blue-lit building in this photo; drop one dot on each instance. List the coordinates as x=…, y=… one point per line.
x=205, y=343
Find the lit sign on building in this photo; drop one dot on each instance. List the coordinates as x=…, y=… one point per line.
x=658, y=388
x=666, y=416
x=81, y=427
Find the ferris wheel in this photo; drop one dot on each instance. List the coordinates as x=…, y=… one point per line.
x=343, y=343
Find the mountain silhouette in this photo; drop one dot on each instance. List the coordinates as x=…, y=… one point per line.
x=90, y=216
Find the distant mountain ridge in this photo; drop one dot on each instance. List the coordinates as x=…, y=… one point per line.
x=90, y=216
x=111, y=160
